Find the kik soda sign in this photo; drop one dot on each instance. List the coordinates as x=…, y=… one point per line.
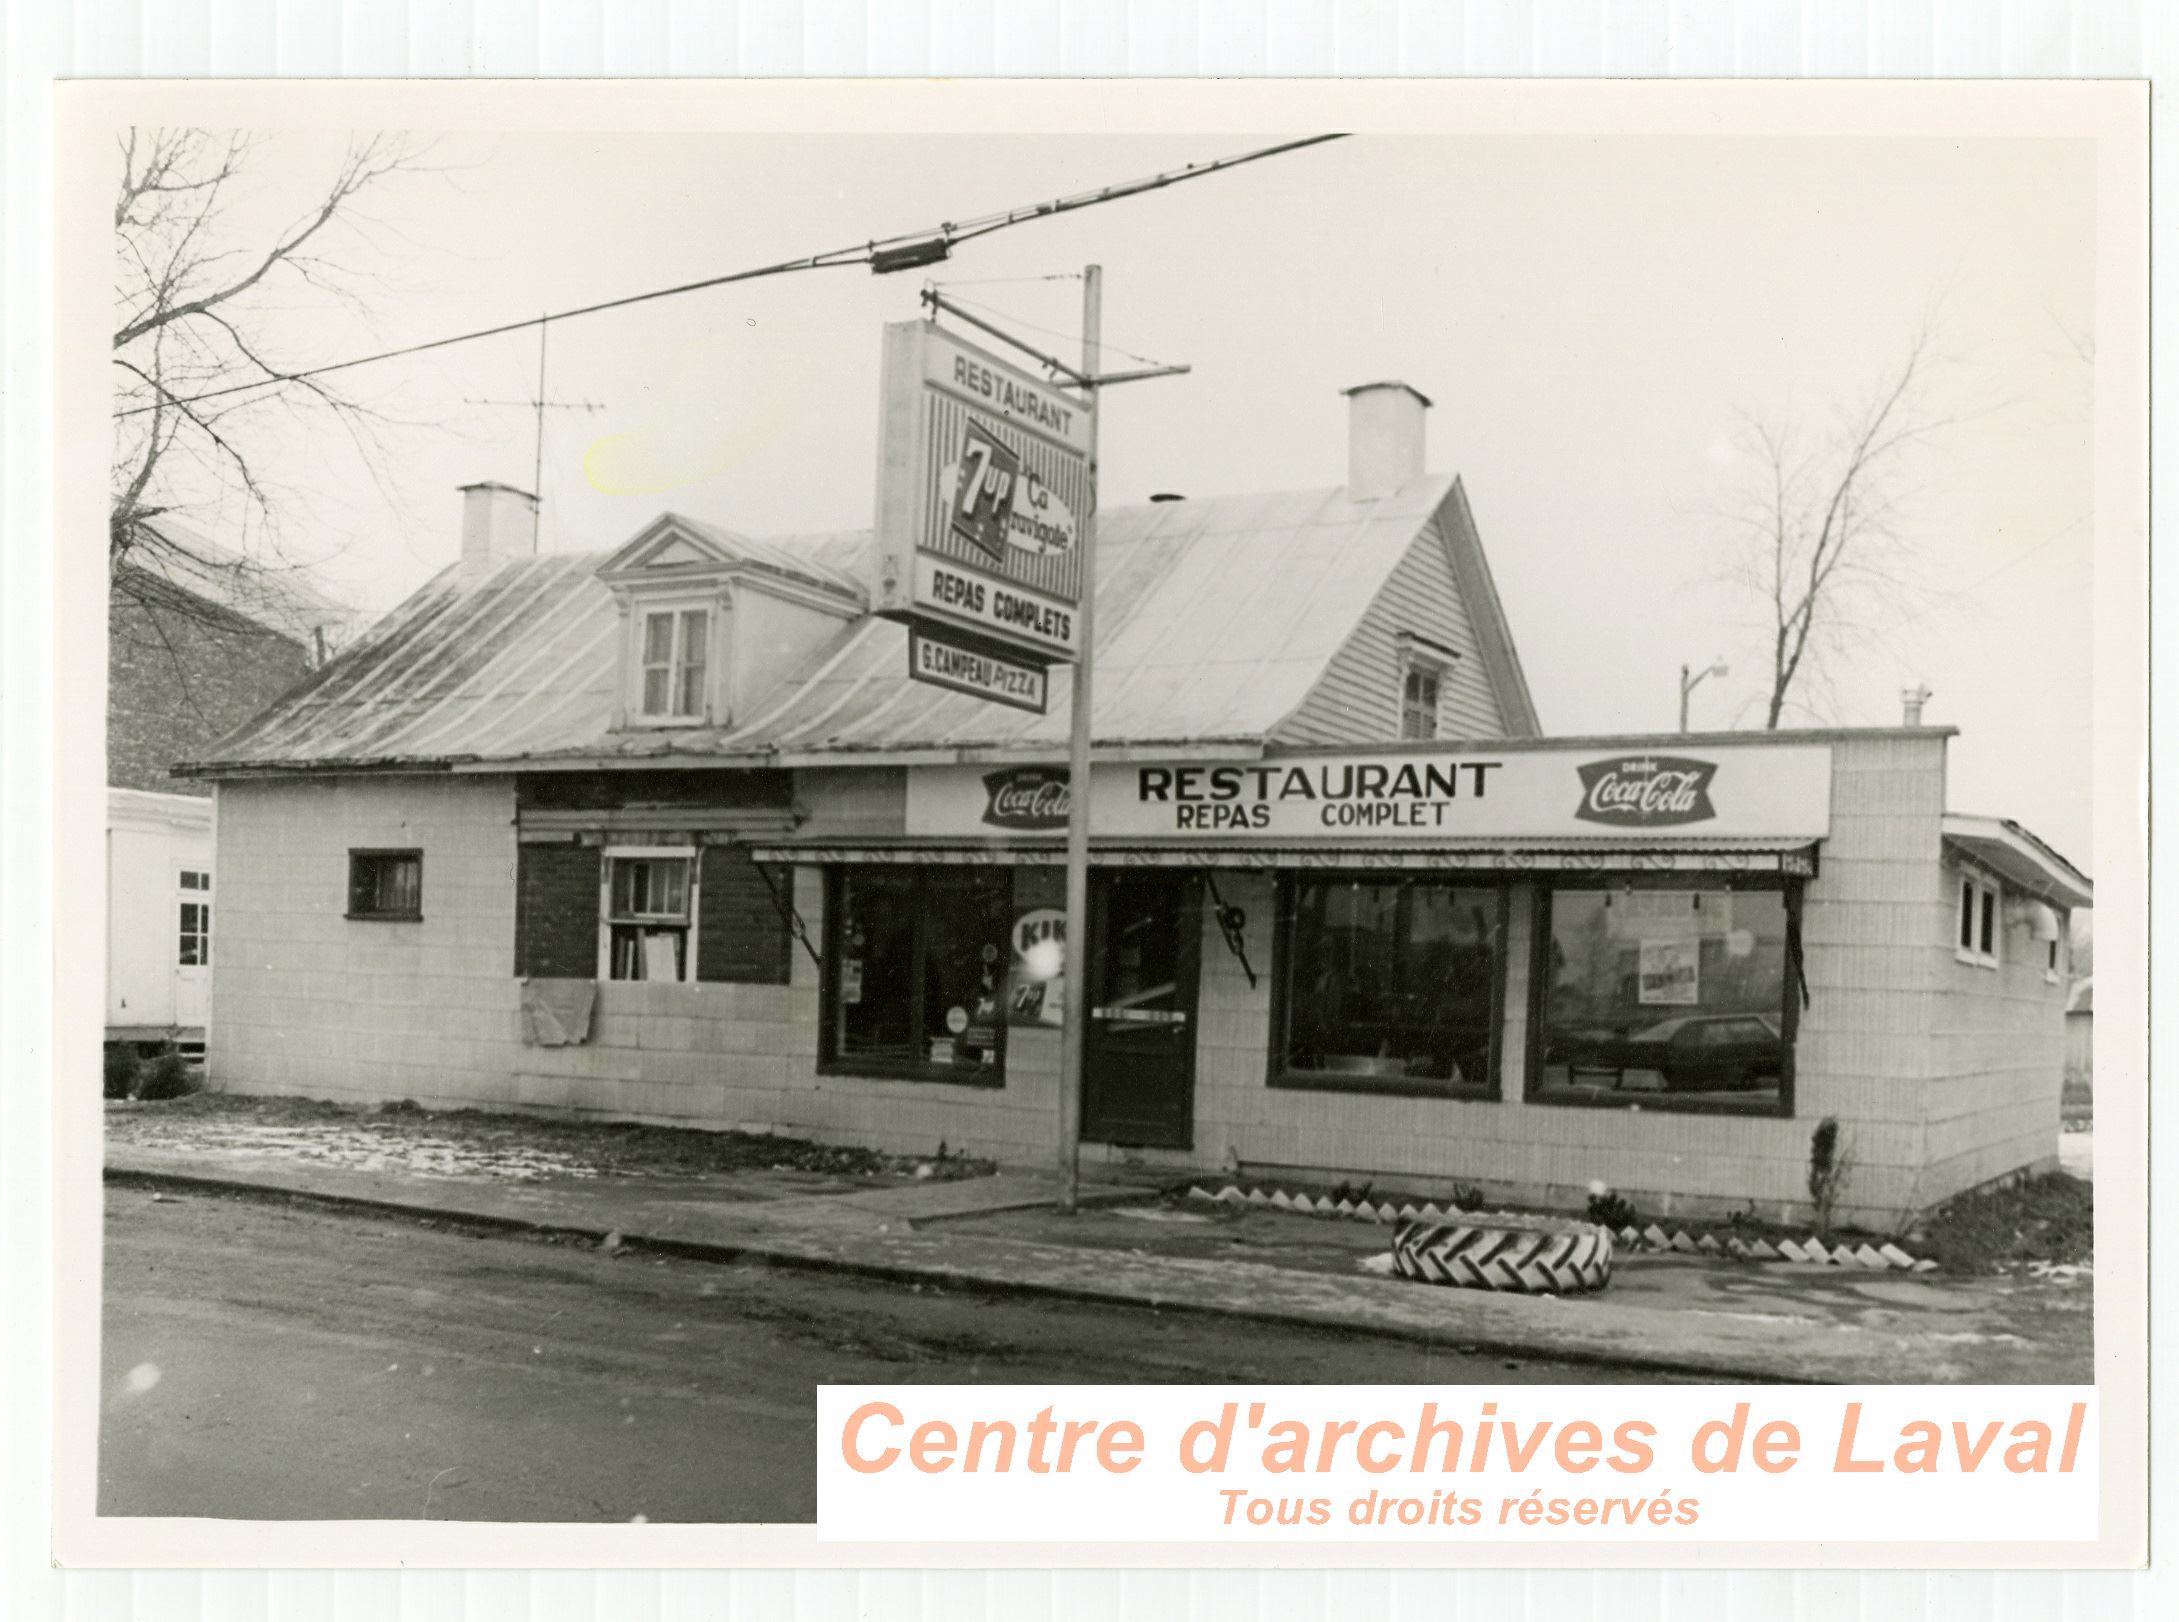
x=983, y=486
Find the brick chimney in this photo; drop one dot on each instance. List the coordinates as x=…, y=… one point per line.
x=499, y=525
x=1384, y=437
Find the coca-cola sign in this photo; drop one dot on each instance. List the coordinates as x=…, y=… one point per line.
x=1026, y=799
x=1647, y=791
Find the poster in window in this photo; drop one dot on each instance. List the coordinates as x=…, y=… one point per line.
x=1671, y=973
x=1036, y=977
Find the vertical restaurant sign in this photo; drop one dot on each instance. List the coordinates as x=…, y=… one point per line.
x=984, y=480
x=1597, y=796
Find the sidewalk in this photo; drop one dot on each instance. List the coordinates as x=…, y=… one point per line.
x=942, y=1232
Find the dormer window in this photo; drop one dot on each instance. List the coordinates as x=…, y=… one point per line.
x=676, y=659
x=707, y=616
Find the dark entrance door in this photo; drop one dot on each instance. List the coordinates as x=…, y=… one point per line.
x=1139, y=1068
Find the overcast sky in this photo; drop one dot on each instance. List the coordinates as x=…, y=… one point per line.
x=1590, y=317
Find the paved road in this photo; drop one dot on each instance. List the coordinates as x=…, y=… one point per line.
x=264, y=1360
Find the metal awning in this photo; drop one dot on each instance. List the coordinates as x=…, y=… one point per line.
x=2020, y=860
x=1539, y=856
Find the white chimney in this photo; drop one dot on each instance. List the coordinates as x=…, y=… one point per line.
x=499, y=525
x=1384, y=437
x=1911, y=700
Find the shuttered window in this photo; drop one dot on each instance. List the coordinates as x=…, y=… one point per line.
x=741, y=935
x=556, y=912
x=738, y=931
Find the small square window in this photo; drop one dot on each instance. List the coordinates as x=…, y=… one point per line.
x=386, y=884
x=647, y=917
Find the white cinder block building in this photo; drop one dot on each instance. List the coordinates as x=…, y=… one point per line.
x=669, y=835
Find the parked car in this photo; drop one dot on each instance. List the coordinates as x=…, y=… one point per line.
x=1705, y=1052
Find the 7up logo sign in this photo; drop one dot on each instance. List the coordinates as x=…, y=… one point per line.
x=983, y=495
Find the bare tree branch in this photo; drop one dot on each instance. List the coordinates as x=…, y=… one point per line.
x=196, y=299
x=1820, y=530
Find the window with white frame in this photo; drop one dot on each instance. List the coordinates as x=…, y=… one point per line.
x=675, y=649
x=1980, y=931
x=195, y=947
x=1419, y=703
x=1422, y=665
x=649, y=905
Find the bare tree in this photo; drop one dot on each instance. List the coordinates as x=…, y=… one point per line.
x=1820, y=537
x=200, y=391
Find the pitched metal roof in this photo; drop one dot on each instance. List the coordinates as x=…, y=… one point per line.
x=803, y=559
x=2020, y=859
x=280, y=596
x=1215, y=618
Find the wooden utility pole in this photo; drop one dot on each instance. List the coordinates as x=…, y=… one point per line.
x=1074, y=1015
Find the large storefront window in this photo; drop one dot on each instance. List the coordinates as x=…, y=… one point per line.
x=1665, y=997
x=1389, y=985
x=914, y=972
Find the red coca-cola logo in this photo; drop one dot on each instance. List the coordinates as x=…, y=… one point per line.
x=1647, y=791
x=1026, y=798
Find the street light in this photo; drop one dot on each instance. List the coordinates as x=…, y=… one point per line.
x=1688, y=683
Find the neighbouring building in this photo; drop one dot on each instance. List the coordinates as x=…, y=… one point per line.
x=669, y=835
x=2081, y=1032
x=198, y=642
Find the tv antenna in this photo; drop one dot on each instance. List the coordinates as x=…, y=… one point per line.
x=541, y=404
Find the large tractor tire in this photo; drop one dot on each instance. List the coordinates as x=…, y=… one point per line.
x=1536, y=1255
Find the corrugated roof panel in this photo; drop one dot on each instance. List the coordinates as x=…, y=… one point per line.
x=1215, y=618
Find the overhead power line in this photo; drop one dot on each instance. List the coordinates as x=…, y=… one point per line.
x=910, y=249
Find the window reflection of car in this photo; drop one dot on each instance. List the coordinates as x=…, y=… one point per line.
x=1705, y=1052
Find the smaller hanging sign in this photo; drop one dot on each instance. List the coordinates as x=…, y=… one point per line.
x=945, y=658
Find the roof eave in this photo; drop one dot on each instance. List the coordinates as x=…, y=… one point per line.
x=2020, y=858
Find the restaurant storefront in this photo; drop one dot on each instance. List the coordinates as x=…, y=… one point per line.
x=1428, y=953
x=779, y=884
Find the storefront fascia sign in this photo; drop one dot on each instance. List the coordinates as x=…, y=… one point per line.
x=983, y=487
x=1780, y=792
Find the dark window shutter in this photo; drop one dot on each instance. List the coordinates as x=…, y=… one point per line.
x=740, y=935
x=556, y=912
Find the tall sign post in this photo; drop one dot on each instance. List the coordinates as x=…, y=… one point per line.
x=987, y=529
x=1074, y=1011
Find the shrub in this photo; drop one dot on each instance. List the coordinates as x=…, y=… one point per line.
x=122, y=1066
x=2048, y=1218
x=1613, y=1211
x=166, y=1076
x=1830, y=1169
x=1467, y=1197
